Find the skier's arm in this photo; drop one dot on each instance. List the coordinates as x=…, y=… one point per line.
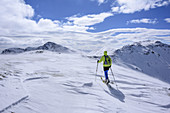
x=100, y=60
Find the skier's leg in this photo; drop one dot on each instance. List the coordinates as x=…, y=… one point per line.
x=106, y=74
x=108, y=81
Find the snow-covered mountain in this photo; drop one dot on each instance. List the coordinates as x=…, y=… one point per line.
x=68, y=83
x=50, y=46
x=152, y=58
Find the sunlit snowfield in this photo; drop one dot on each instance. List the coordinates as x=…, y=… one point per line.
x=50, y=82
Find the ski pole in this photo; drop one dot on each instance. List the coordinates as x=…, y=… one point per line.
x=114, y=78
x=96, y=71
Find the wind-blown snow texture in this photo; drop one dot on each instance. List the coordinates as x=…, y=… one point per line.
x=50, y=82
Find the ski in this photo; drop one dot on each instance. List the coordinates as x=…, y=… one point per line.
x=102, y=80
x=111, y=82
x=109, y=86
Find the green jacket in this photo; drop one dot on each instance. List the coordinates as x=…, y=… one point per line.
x=107, y=61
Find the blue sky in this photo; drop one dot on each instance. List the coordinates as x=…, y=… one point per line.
x=83, y=24
x=60, y=9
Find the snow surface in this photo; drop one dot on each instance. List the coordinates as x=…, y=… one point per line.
x=49, y=82
x=151, y=58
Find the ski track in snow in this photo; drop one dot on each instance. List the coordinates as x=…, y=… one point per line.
x=35, y=78
x=55, y=83
x=13, y=104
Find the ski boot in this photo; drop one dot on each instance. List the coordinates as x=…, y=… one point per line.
x=107, y=81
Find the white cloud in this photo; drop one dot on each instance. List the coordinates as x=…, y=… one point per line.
x=144, y=20
x=48, y=24
x=88, y=20
x=114, y=38
x=99, y=1
x=16, y=8
x=167, y=20
x=6, y=40
x=115, y=9
x=131, y=6
x=16, y=16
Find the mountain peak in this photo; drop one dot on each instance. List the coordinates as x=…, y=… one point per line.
x=148, y=57
x=50, y=46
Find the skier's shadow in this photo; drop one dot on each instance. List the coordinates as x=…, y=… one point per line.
x=115, y=93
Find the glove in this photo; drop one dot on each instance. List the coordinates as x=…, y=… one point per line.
x=97, y=61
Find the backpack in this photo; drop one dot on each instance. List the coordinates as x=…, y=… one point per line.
x=107, y=60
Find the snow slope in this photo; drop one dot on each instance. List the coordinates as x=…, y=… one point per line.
x=49, y=82
x=148, y=57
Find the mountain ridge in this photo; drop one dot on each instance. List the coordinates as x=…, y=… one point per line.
x=50, y=46
x=151, y=58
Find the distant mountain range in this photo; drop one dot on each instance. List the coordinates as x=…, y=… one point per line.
x=50, y=46
x=149, y=57
x=152, y=58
